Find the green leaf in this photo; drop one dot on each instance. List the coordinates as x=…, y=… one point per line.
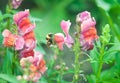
x=7, y=62
x=1, y=39
x=94, y=55
x=111, y=52
x=91, y=79
x=117, y=57
x=35, y=19
x=41, y=82
x=107, y=74
x=103, y=4
x=69, y=71
x=112, y=72
x=9, y=78
x=7, y=15
x=95, y=67
x=111, y=80
x=1, y=16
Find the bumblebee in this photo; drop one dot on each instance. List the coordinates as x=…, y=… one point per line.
x=49, y=39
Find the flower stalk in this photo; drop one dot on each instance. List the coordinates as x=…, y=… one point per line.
x=100, y=63
x=77, y=52
x=104, y=38
x=61, y=71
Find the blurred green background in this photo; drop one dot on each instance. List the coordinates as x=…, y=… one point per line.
x=51, y=12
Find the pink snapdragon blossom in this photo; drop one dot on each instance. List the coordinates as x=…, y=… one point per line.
x=19, y=44
x=59, y=39
x=16, y=3
x=83, y=16
x=65, y=25
x=23, y=22
x=11, y=40
x=20, y=15
x=88, y=31
x=30, y=42
x=85, y=20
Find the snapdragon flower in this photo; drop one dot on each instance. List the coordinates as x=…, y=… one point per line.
x=22, y=20
x=88, y=31
x=59, y=38
x=12, y=40
x=36, y=65
x=65, y=25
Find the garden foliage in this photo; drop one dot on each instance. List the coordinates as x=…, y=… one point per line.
x=67, y=41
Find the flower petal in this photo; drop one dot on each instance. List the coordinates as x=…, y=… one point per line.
x=16, y=3
x=65, y=25
x=83, y=16
x=69, y=41
x=9, y=39
x=20, y=15
x=37, y=58
x=59, y=39
x=30, y=44
x=6, y=33
x=87, y=24
x=26, y=53
x=19, y=44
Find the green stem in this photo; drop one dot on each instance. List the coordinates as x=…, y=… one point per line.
x=77, y=65
x=77, y=52
x=57, y=52
x=8, y=11
x=100, y=63
x=61, y=72
x=14, y=59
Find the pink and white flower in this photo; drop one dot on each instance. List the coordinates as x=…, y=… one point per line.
x=65, y=25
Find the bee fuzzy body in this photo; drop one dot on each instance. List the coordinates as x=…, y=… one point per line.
x=49, y=39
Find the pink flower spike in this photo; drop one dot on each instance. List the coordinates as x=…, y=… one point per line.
x=88, y=31
x=20, y=15
x=69, y=41
x=16, y=3
x=59, y=39
x=65, y=25
x=19, y=44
